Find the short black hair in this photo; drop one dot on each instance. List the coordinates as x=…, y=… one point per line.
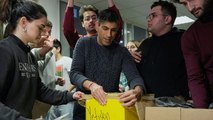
x=108, y=15
x=168, y=8
x=57, y=44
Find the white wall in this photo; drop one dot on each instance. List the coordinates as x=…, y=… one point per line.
x=53, y=12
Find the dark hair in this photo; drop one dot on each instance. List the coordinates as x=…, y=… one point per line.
x=57, y=44
x=6, y=7
x=168, y=8
x=86, y=8
x=108, y=15
x=8, y=30
x=28, y=9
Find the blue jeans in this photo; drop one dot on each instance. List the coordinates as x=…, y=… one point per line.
x=59, y=110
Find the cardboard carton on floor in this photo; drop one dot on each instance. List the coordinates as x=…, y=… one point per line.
x=177, y=113
x=162, y=113
x=40, y=109
x=146, y=100
x=196, y=114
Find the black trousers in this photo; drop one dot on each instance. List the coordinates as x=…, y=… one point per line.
x=79, y=112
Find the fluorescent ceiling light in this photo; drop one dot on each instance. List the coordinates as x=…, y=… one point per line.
x=183, y=20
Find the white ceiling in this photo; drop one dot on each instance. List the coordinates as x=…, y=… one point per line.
x=134, y=11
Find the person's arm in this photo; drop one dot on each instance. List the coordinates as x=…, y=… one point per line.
x=136, y=83
x=112, y=6
x=51, y=96
x=7, y=113
x=69, y=30
x=36, y=54
x=131, y=72
x=110, y=3
x=136, y=56
x=96, y=90
x=44, y=46
x=78, y=64
x=71, y=87
x=130, y=97
x=46, y=70
x=43, y=63
x=195, y=72
x=39, y=53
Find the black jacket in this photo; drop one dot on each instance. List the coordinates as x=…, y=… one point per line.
x=162, y=66
x=20, y=84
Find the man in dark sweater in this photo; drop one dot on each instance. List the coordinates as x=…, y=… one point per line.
x=98, y=62
x=162, y=65
x=197, y=48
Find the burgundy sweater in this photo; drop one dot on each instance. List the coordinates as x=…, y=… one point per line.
x=197, y=46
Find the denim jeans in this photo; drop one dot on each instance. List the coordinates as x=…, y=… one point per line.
x=59, y=110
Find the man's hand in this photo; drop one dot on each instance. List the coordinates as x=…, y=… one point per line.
x=98, y=93
x=60, y=81
x=130, y=97
x=45, y=45
x=48, y=44
x=136, y=56
x=41, y=41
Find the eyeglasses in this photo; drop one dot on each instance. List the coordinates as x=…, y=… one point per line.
x=87, y=18
x=153, y=15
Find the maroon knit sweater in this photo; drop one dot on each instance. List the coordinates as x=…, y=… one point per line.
x=197, y=46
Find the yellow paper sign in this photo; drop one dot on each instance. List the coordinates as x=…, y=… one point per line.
x=111, y=111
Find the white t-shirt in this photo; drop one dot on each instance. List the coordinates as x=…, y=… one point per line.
x=63, y=67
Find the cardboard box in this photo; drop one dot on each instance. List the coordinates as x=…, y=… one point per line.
x=113, y=110
x=146, y=100
x=40, y=109
x=196, y=114
x=162, y=113
x=176, y=113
